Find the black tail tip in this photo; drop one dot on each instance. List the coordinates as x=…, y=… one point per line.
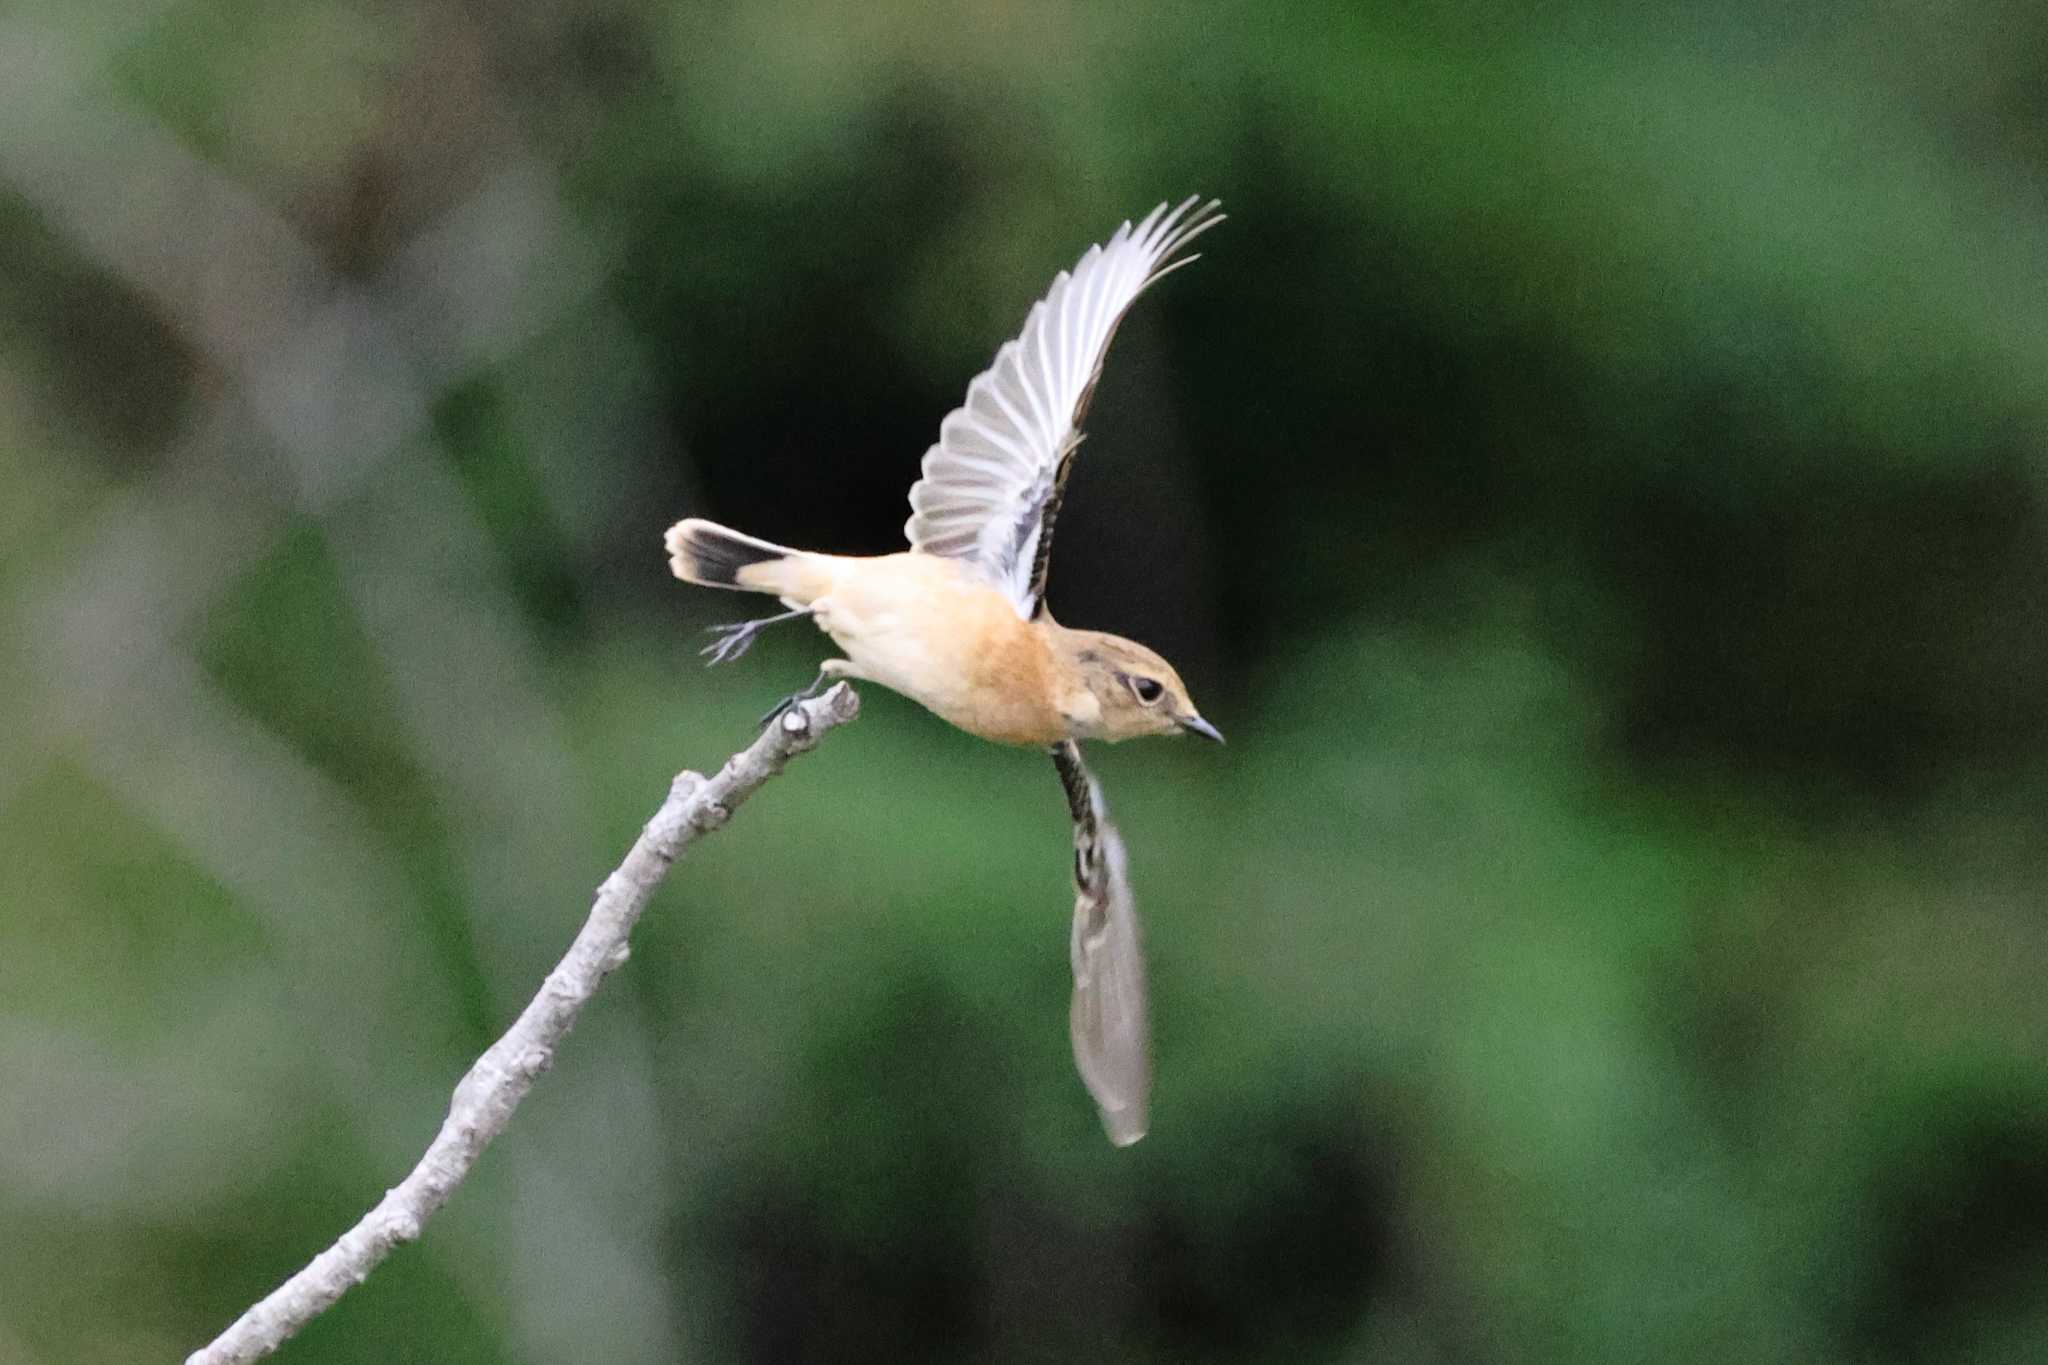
x=706, y=553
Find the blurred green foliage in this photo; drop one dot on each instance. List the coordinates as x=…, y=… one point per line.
x=1594, y=479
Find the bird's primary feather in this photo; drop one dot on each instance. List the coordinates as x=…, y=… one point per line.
x=1112, y=1039
x=992, y=481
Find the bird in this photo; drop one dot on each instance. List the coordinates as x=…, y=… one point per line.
x=959, y=623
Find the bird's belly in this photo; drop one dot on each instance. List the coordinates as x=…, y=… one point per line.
x=896, y=654
x=977, y=668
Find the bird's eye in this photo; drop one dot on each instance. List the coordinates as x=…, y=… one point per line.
x=1148, y=690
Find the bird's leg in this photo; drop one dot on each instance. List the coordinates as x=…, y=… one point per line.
x=827, y=671
x=734, y=639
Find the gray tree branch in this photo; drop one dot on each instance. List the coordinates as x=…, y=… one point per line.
x=484, y=1100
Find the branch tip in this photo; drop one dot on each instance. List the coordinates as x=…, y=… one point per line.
x=485, y=1098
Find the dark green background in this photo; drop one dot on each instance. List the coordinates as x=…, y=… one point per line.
x=1595, y=479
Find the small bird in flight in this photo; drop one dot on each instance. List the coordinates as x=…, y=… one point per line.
x=958, y=623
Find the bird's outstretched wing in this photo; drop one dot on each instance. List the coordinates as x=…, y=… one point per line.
x=992, y=482
x=1112, y=1043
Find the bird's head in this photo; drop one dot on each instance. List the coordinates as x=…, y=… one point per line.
x=1132, y=690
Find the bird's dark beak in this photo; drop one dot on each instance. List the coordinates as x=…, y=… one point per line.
x=1195, y=725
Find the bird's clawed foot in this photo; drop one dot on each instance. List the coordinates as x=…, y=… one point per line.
x=731, y=641
x=736, y=638
x=817, y=686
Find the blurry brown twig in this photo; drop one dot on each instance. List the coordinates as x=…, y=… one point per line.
x=486, y=1097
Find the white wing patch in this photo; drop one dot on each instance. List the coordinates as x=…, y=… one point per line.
x=997, y=463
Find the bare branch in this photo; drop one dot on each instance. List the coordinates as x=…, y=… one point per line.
x=483, y=1102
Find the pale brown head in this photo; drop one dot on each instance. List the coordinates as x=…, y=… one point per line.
x=1119, y=690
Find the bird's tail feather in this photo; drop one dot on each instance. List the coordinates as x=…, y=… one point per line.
x=704, y=552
